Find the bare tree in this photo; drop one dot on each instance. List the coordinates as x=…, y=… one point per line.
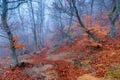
x=60, y=9
x=76, y=9
x=5, y=8
x=37, y=22
x=40, y=21
x=34, y=29
x=82, y=24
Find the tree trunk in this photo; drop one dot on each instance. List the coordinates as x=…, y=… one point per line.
x=34, y=29
x=13, y=51
x=41, y=13
x=91, y=12
x=113, y=17
x=9, y=33
x=70, y=21
x=112, y=29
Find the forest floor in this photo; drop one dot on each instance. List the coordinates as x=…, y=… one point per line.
x=77, y=61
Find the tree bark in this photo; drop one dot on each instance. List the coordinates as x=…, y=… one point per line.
x=8, y=31
x=113, y=16
x=112, y=29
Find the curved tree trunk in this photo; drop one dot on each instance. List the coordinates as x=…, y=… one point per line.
x=9, y=33
x=90, y=34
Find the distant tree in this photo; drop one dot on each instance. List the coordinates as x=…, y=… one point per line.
x=40, y=13
x=37, y=22
x=60, y=9
x=34, y=27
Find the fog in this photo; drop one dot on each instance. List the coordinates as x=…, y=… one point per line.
x=46, y=23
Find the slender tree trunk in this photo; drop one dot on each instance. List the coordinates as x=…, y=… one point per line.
x=9, y=33
x=41, y=31
x=34, y=29
x=41, y=9
x=70, y=20
x=91, y=12
x=70, y=24
x=112, y=29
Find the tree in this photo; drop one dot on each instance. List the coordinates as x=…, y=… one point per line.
x=114, y=14
x=5, y=8
x=34, y=29
x=82, y=24
x=40, y=21
x=37, y=22
x=75, y=8
x=60, y=9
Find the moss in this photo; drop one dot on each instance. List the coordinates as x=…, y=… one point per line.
x=114, y=74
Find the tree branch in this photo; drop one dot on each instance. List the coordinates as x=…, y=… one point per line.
x=14, y=1
x=77, y=15
x=20, y=2
x=3, y=36
x=62, y=8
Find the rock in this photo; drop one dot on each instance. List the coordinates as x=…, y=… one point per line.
x=47, y=71
x=88, y=77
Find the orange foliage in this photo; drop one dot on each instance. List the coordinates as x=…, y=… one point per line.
x=17, y=74
x=86, y=42
x=108, y=56
x=19, y=45
x=98, y=31
x=39, y=57
x=95, y=44
x=67, y=71
x=16, y=44
x=100, y=59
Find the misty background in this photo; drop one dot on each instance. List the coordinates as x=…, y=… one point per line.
x=50, y=23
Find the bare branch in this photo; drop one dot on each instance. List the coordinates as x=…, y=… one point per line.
x=62, y=8
x=16, y=6
x=15, y=1
x=20, y=2
x=77, y=15
x=3, y=36
x=12, y=1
